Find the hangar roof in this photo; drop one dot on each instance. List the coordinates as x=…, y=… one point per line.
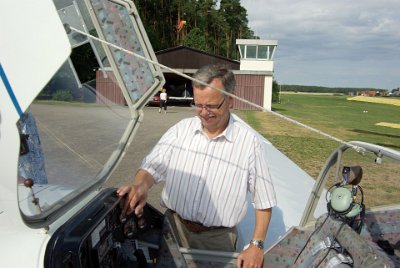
x=191, y=59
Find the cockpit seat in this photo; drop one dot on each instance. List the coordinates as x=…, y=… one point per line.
x=382, y=227
x=332, y=244
x=339, y=237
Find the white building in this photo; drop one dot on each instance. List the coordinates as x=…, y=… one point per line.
x=257, y=56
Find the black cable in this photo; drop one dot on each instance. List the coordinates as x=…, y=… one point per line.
x=360, y=223
x=309, y=238
x=333, y=243
x=362, y=194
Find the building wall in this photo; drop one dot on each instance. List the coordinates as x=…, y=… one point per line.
x=256, y=65
x=251, y=88
x=108, y=91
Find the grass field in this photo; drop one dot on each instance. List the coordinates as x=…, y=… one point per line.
x=348, y=120
x=335, y=115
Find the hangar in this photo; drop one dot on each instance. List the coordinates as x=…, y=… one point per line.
x=253, y=73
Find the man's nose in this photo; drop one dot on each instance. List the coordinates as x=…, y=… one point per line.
x=204, y=111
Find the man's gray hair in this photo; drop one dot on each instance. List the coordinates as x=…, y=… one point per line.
x=209, y=72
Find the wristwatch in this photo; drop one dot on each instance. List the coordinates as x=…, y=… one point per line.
x=257, y=243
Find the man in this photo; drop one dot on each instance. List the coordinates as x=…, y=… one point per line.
x=208, y=163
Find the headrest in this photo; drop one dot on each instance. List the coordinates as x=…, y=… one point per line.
x=352, y=175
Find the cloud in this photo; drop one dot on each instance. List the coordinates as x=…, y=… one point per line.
x=331, y=43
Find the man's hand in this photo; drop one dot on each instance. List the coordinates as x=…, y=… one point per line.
x=250, y=257
x=253, y=256
x=134, y=196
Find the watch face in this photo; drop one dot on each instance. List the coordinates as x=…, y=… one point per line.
x=257, y=243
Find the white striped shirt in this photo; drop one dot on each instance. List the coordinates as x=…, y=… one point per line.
x=207, y=180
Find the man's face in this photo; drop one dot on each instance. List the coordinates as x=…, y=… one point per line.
x=212, y=107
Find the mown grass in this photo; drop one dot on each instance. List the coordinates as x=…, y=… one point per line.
x=348, y=120
x=302, y=146
x=334, y=115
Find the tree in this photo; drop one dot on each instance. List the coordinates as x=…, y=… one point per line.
x=235, y=17
x=275, y=91
x=196, y=39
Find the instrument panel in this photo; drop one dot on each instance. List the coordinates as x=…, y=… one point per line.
x=97, y=237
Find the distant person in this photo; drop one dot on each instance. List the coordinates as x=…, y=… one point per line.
x=163, y=100
x=209, y=164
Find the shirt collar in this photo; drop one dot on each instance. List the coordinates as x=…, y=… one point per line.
x=227, y=133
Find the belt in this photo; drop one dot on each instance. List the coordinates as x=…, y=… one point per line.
x=197, y=227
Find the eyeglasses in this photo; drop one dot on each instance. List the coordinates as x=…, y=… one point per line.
x=210, y=107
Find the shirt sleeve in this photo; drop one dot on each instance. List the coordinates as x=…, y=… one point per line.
x=157, y=161
x=260, y=180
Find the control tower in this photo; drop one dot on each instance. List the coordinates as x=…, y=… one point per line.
x=257, y=56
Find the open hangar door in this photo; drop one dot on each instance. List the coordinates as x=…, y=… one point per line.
x=179, y=89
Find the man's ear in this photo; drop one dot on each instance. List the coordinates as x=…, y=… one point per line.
x=230, y=100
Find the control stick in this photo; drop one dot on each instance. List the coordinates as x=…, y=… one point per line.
x=29, y=183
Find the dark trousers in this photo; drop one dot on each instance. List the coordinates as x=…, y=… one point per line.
x=163, y=104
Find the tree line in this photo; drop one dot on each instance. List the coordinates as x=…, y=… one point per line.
x=320, y=89
x=200, y=24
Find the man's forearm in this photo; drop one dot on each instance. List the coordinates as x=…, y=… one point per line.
x=263, y=218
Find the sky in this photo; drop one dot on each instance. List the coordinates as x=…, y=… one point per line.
x=339, y=43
